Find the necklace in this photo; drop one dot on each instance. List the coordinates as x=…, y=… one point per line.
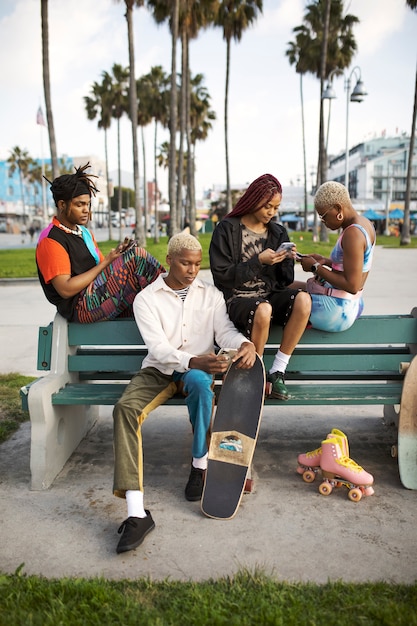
x=70, y=230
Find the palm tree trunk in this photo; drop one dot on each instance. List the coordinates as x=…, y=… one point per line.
x=156, y=199
x=47, y=88
x=23, y=196
x=106, y=153
x=145, y=186
x=304, y=154
x=322, y=169
x=133, y=108
x=191, y=212
x=119, y=182
x=226, y=105
x=173, y=120
x=183, y=112
x=405, y=233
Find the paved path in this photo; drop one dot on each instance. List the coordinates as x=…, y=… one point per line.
x=285, y=526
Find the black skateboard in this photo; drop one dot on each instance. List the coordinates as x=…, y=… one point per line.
x=233, y=439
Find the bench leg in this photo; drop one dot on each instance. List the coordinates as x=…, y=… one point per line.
x=56, y=431
x=392, y=413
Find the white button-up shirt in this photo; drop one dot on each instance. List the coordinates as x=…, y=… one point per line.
x=174, y=330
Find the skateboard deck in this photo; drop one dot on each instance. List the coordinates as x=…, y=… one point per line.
x=407, y=429
x=233, y=439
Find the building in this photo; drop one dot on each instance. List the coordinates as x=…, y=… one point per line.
x=378, y=172
x=27, y=201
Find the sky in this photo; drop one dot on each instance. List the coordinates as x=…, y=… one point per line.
x=86, y=37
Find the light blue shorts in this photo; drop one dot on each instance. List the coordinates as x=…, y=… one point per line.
x=334, y=314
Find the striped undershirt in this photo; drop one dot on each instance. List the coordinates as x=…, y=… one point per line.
x=182, y=293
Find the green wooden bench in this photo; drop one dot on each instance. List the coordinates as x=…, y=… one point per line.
x=90, y=365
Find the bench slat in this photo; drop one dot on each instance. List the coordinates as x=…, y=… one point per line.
x=372, y=329
x=301, y=394
x=378, y=329
x=104, y=363
x=92, y=394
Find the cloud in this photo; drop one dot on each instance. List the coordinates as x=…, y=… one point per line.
x=377, y=26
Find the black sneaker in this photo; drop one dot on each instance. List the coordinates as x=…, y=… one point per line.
x=279, y=389
x=134, y=531
x=194, y=487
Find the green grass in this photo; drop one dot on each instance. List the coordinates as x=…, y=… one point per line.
x=242, y=600
x=20, y=263
x=11, y=415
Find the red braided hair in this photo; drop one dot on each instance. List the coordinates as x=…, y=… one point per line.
x=262, y=189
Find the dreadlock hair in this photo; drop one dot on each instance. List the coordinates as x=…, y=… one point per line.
x=260, y=190
x=69, y=186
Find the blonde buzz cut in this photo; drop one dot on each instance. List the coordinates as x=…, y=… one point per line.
x=183, y=241
x=331, y=193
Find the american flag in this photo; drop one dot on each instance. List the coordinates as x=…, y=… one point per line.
x=39, y=117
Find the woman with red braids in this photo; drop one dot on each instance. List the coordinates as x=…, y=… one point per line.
x=256, y=279
x=83, y=284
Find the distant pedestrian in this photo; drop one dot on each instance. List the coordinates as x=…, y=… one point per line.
x=32, y=231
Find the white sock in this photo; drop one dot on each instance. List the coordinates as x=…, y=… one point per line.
x=280, y=362
x=200, y=463
x=134, y=499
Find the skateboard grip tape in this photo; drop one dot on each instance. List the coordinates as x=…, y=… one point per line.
x=231, y=446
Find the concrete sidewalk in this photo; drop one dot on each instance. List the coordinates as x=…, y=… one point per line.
x=285, y=526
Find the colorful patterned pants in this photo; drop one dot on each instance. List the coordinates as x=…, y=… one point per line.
x=112, y=292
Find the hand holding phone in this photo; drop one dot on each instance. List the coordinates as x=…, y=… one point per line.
x=229, y=352
x=286, y=246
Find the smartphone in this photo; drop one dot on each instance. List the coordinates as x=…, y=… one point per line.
x=287, y=246
x=229, y=352
x=127, y=244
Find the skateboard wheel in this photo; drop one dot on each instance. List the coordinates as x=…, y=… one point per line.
x=394, y=451
x=309, y=476
x=325, y=489
x=249, y=486
x=355, y=494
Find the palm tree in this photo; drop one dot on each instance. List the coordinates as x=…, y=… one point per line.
x=326, y=44
x=98, y=104
x=201, y=117
x=119, y=87
x=234, y=17
x=153, y=97
x=21, y=161
x=144, y=118
x=405, y=232
x=297, y=55
x=173, y=118
x=133, y=114
x=192, y=17
x=47, y=87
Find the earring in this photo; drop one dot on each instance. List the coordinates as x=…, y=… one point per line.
x=339, y=216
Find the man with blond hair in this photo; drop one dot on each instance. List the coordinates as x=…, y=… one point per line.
x=180, y=318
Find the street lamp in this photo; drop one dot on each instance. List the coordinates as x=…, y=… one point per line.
x=357, y=95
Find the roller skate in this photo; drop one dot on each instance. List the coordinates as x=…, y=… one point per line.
x=339, y=470
x=309, y=463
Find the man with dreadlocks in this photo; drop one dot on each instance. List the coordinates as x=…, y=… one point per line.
x=256, y=279
x=83, y=284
